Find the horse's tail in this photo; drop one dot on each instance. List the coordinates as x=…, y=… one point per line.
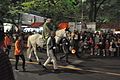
x=29, y=45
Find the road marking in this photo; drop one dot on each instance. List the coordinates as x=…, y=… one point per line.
x=75, y=68
x=101, y=72
x=70, y=67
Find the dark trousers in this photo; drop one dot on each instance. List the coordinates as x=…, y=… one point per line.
x=75, y=45
x=66, y=57
x=17, y=60
x=8, y=49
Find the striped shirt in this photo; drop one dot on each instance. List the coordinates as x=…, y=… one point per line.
x=6, y=72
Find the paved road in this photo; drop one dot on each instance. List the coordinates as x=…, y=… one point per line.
x=96, y=68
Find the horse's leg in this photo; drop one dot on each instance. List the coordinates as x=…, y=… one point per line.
x=35, y=52
x=30, y=54
x=29, y=50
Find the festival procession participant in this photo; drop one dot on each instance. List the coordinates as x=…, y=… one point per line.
x=51, y=46
x=6, y=72
x=65, y=47
x=47, y=28
x=19, y=46
x=75, y=42
x=8, y=43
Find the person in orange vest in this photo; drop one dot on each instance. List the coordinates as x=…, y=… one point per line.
x=8, y=43
x=19, y=46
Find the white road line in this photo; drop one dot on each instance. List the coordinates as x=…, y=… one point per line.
x=101, y=72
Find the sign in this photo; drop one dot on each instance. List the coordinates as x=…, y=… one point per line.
x=91, y=26
x=31, y=18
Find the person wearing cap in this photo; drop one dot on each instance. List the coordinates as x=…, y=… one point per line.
x=6, y=72
x=51, y=46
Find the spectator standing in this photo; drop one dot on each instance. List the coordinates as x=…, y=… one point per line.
x=107, y=46
x=8, y=43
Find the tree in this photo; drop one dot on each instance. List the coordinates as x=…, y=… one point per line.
x=63, y=10
x=4, y=8
x=56, y=9
x=94, y=8
x=109, y=12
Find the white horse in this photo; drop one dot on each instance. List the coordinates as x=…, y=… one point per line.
x=32, y=43
x=37, y=40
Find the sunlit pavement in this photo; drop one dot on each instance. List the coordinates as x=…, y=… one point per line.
x=97, y=68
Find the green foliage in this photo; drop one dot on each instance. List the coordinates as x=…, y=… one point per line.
x=64, y=10
x=109, y=11
x=4, y=8
x=56, y=9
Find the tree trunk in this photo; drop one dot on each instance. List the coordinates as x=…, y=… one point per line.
x=91, y=10
x=94, y=9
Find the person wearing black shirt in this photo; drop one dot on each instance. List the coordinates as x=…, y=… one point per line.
x=65, y=47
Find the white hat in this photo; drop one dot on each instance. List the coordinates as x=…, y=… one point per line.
x=48, y=19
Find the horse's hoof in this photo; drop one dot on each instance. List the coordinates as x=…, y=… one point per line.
x=30, y=60
x=44, y=67
x=39, y=63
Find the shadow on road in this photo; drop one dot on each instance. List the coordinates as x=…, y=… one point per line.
x=44, y=72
